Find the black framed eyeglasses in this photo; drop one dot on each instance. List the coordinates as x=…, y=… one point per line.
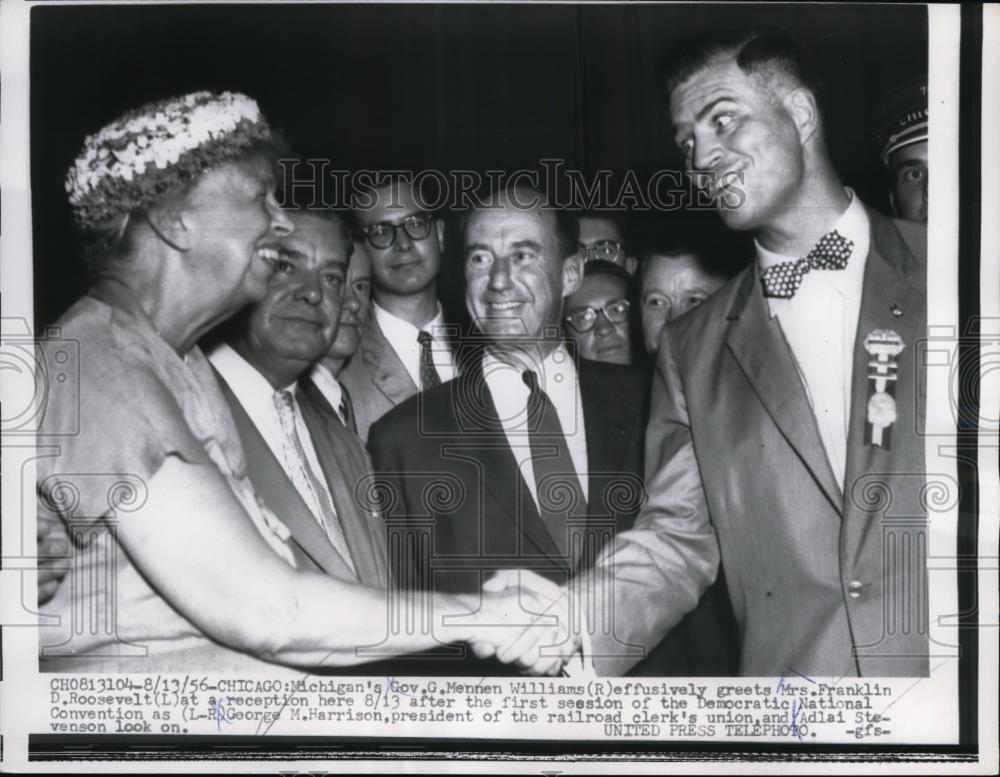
x=382, y=234
x=605, y=250
x=584, y=319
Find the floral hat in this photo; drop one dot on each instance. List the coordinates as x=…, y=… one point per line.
x=151, y=150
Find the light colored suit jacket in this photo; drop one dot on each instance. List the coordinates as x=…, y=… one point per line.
x=375, y=378
x=822, y=582
x=345, y=464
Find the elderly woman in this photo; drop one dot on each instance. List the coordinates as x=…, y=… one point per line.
x=176, y=565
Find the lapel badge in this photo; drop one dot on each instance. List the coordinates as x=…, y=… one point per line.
x=896, y=310
x=883, y=346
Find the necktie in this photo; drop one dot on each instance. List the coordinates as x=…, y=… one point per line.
x=347, y=409
x=429, y=377
x=557, y=485
x=304, y=478
x=830, y=253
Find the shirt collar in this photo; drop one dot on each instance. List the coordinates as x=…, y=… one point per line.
x=852, y=224
x=243, y=378
x=397, y=329
x=324, y=379
x=556, y=373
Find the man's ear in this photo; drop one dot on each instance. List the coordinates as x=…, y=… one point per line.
x=801, y=106
x=572, y=274
x=892, y=203
x=631, y=265
x=439, y=226
x=172, y=224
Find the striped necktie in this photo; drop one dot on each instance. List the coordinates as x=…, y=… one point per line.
x=429, y=377
x=312, y=491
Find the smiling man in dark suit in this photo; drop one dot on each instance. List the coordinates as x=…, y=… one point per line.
x=462, y=461
x=530, y=459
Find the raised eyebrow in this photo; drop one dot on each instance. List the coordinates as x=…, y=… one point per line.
x=533, y=245
x=291, y=253
x=336, y=266
x=477, y=247
x=707, y=109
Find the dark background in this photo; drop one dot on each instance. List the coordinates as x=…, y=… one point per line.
x=414, y=87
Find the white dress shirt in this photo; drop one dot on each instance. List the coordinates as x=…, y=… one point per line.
x=558, y=378
x=820, y=324
x=257, y=397
x=330, y=388
x=402, y=336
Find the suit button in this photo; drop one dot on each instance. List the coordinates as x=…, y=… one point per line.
x=854, y=589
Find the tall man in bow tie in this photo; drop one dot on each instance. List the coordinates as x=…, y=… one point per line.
x=783, y=433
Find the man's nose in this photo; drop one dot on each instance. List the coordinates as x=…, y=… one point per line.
x=310, y=288
x=402, y=242
x=500, y=275
x=351, y=301
x=604, y=326
x=705, y=157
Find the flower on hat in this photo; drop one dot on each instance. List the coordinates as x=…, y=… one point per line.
x=151, y=150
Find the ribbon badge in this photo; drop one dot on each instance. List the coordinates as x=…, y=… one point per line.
x=883, y=346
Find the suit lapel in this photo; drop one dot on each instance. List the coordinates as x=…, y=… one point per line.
x=279, y=494
x=494, y=454
x=759, y=347
x=605, y=433
x=388, y=373
x=891, y=283
x=344, y=468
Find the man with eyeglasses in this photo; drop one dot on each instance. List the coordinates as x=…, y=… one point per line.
x=597, y=314
x=404, y=348
x=602, y=239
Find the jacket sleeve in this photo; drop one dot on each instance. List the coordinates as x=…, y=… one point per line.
x=653, y=574
x=401, y=540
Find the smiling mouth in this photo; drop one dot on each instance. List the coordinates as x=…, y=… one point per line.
x=725, y=181
x=502, y=307
x=268, y=254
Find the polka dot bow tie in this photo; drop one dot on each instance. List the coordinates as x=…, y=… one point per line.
x=830, y=253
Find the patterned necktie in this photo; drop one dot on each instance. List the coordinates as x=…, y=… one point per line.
x=429, y=377
x=304, y=478
x=830, y=253
x=557, y=485
x=347, y=410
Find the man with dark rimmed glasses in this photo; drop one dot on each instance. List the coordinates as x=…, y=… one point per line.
x=403, y=347
x=596, y=317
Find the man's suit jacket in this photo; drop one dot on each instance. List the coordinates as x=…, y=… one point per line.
x=375, y=378
x=459, y=508
x=822, y=582
x=345, y=464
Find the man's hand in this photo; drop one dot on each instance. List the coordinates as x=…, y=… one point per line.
x=532, y=617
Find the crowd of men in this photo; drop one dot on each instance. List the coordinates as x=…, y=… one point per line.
x=627, y=423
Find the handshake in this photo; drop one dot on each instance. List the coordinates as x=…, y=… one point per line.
x=523, y=619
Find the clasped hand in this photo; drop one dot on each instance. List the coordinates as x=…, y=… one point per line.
x=525, y=620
